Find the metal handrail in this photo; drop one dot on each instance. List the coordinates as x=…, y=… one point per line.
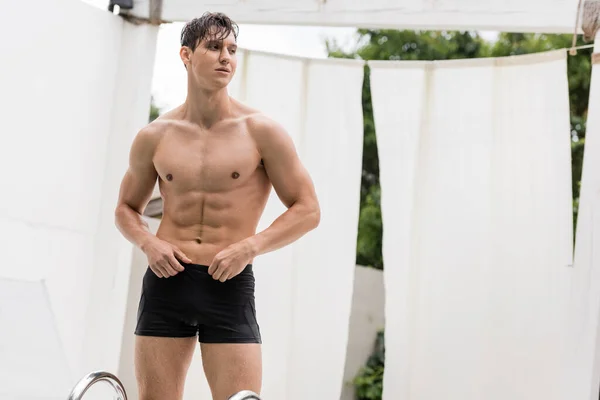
x=97, y=376
x=245, y=395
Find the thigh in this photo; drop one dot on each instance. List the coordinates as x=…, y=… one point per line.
x=161, y=366
x=232, y=367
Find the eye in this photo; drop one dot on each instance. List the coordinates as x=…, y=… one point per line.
x=232, y=51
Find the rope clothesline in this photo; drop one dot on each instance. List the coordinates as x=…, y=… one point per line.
x=585, y=46
x=573, y=50
x=595, y=56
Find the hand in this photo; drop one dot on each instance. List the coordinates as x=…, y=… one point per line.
x=161, y=258
x=229, y=262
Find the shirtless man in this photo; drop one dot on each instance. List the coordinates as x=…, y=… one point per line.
x=215, y=160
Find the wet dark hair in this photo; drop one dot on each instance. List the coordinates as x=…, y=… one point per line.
x=199, y=28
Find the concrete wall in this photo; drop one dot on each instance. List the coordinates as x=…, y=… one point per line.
x=72, y=87
x=57, y=79
x=366, y=320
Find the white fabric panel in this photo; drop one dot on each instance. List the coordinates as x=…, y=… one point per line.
x=476, y=202
x=324, y=261
x=319, y=103
x=582, y=368
x=273, y=85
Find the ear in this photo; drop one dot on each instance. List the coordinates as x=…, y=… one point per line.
x=186, y=55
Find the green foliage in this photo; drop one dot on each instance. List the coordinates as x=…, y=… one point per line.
x=370, y=227
x=430, y=45
x=369, y=381
x=369, y=384
x=154, y=111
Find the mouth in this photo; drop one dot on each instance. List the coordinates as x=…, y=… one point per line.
x=223, y=70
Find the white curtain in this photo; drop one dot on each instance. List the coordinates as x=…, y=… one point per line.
x=476, y=203
x=304, y=291
x=582, y=369
x=324, y=261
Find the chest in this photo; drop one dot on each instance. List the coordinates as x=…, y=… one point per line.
x=210, y=163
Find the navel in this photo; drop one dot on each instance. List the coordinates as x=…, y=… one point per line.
x=198, y=240
x=235, y=175
x=169, y=177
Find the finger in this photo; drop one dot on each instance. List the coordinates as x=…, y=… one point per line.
x=225, y=277
x=156, y=271
x=213, y=266
x=165, y=263
x=166, y=268
x=175, y=264
x=219, y=272
x=232, y=275
x=182, y=256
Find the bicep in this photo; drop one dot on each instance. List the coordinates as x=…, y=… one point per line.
x=289, y=177
x=140, y=178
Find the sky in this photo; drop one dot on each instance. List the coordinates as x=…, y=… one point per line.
x=168, y=85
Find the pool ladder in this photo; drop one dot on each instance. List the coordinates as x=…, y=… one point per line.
x=98, y=376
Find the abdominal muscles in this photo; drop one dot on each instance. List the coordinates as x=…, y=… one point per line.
x=201, y=222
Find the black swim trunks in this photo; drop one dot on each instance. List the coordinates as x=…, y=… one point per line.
x=193, y=303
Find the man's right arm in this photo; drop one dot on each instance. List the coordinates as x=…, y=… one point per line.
x=137, y=187
x=135, y=192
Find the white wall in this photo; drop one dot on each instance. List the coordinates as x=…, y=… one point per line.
x=130, y=110
x=59, y=76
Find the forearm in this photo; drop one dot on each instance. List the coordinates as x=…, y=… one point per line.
x=132, y=226
x=290, y=226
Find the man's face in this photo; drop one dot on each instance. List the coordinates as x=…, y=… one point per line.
x=214, y=61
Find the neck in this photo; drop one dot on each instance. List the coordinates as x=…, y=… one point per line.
x=206, y=108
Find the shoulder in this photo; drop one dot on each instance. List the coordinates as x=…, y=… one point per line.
x=147, y=140
x=266, y=131
x=150, y=135
x=257, y=124
x=272, y=140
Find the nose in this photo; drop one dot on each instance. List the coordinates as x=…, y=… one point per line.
x=225, y=57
